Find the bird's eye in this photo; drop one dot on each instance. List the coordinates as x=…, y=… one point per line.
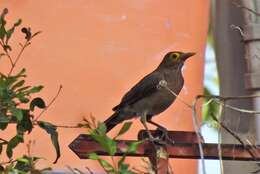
x=175, y=55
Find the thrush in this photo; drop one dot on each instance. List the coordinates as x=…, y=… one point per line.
x=147, y=98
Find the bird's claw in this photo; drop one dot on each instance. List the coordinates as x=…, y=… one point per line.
x=157, y=141
x=163, y=135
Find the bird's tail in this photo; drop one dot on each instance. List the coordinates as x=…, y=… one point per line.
x=112, y=121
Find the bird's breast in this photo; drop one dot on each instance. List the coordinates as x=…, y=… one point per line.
x=160, y=100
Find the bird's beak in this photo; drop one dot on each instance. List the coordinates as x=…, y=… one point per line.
x=185, y=56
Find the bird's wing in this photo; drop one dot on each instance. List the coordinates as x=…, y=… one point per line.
x=144, y=88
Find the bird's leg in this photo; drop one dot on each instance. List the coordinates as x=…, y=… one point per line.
x=163, y=130
x=151, y=138
x=143, y=121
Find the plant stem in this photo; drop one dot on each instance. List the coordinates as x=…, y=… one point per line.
x=114, y=163
x=47, y=107
x=27, y=43
x=7, y=54
x=3, y=140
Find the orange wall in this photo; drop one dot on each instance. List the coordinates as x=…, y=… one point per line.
x=97, y=50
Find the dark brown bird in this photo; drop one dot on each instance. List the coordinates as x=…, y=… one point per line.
x=147, y=98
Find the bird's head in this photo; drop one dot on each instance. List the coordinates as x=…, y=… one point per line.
x=175, y=59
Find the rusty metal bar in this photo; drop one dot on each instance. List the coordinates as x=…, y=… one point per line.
x=185, y=146
x=176, y=136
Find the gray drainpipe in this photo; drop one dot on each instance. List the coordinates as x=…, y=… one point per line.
x=237, y=75
x=252, y=53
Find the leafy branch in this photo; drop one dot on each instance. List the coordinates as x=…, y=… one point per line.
x=17, y=104
x=97, y=131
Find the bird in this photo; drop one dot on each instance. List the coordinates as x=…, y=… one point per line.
x=148, y=97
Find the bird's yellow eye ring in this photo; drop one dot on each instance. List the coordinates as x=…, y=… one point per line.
x=175, y=56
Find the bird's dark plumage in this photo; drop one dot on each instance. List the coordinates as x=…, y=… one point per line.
x=146, y=97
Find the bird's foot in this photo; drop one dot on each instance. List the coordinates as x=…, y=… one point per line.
x=163, y=135
x=156, y=140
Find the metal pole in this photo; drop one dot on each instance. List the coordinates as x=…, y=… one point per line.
x=232, y=67
x=252, y=52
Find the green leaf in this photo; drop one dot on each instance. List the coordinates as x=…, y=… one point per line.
x=12, y=144
x=18, y=23
x=121, y=161
x=3, y=126
x=37, y=102
x=23, y=160
x=23, y=89
x=7, y=48
x=123, y=167
x=106, y=165
x=21, y=73
x=22, y=97
x=2, y=24
x=35, y=89
x=51, y=129
x=210, y=108
x=18, y=84
x=2, y=32
x=106, y=143
x=24, y=164
x=93, y=156
x=101, y=129
x=3, y=122
x=11, y=30
x=10, y=81
x=111, y=146
x=132, y=147
x=5, y=94
x=9, y=34
x=27, y=32
x=17, y=113
x=4, y=12
x=26, y=123
x=99, y=135
x=124, y=128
